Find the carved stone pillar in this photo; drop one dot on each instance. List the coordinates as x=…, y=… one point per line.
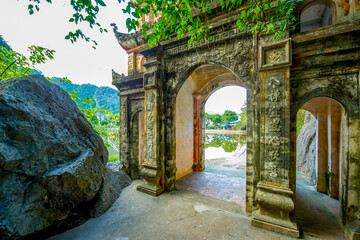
x=335, y=150
x=198, y=164
x=152, y=172
x=124, y=132
x=323, y=153
x=274, y=196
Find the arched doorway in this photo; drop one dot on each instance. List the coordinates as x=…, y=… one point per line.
x=137, y=143
x=190, y=119
x=321, y=146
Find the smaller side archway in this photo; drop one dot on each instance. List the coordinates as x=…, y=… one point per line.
x=137, y=143
x=321, y=158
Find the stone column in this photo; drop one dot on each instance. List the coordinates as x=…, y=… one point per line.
x=273, y=195
x=152, y=171
x=124, y=132
x=322, y=150
x=198, y=165
x=335, y=150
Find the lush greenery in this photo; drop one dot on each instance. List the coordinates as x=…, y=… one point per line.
x=300, y=117
x=243, y=119
x=106, y=123
x=214, y=121
x=184, y=17
x=228, y=143
x=14, y=64
x=228, y=117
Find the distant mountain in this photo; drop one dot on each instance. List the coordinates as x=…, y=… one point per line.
x=105, y=97
x=4, y=43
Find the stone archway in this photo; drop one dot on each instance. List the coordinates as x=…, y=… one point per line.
x=329, y=145
x=279, y=77
x=189, y=105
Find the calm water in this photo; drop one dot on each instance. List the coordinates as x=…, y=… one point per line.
x=223, y=145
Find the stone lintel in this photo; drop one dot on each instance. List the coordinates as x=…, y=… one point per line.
x=275, y=228
x=123, y=81
x=131, y=91
x=328, y=31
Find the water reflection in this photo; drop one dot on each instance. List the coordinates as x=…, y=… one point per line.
x=227, y=142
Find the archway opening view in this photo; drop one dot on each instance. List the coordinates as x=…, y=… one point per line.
x=320, y=139
x=211, y=135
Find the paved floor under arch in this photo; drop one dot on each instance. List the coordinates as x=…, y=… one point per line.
x=205, y=205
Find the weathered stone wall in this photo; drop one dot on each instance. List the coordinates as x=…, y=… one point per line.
x=326, y=64
x=184, y=130
x=232, y=49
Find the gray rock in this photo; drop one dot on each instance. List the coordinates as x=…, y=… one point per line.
x=51, y=159
x=306, y=148
x=114, y=180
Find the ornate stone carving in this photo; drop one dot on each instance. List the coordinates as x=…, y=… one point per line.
x=124, y=138
x=150, y=79
x=275, y=55
x=345, y=6
x=274, y=127
x=131, y=63
x=357, y=5
x=237, y=55
x=150, y=126
x=215, y=38
x=275, y=205
x=274, y=141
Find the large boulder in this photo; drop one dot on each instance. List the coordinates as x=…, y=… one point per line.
x=51, y=159
x=114, y=180
x=306, y=148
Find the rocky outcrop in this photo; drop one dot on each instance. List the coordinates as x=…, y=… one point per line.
x=306, y=148
x=114, y=180
x=51, y=159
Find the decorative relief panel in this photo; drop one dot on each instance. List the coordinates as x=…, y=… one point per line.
x=345, y=6
x=275, y=55
x=151, y=126
x=215, y=38
x=236, y=55
x=124, y=138
x=139, y=63
x=274, y=135
x=150, y=79
x=131, y=63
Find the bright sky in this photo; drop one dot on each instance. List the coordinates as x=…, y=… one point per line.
x=226, y=98
x=48, y=28
x=79, y=62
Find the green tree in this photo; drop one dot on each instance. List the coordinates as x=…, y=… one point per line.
x=243, y=118
x=214, y=119
x=229, y=116
x=14, y=64
x=185, y=17
x=300, y=117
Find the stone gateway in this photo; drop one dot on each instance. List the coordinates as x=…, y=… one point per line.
x=316, y=68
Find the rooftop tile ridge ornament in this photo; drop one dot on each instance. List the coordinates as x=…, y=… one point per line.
x=128, y=41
